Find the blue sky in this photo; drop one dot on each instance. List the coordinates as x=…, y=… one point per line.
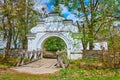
x=50, y=6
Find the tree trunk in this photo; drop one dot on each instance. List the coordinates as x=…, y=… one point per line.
x=15, y=45
x=24, y=43
x=91, y=38
x=9, y=38
x=6, y=54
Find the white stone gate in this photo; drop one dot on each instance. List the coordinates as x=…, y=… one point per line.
x=54, y=25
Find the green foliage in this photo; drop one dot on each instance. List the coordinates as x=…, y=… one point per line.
x=17, y=17
x=115, y=44
x=74, y=74
x=65, y=58
x=97, y=14
x=9, y=61
x=54, y=44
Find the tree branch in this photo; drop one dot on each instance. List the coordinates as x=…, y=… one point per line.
x=84, y=11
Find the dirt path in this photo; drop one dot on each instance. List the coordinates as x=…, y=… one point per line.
x=42, y=66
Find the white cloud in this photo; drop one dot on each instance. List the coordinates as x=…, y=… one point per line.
x=72, y=17
x=39, y=6
x=64, y=9
x=44, y=1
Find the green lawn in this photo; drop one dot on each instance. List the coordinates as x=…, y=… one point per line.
x=72, y=74
x=64, y=74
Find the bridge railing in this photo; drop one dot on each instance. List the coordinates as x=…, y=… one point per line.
x=62, y=59
x=25, y=57
x=28, y=57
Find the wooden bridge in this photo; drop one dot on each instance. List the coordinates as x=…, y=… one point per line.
x=32, y=62
x=42, y=66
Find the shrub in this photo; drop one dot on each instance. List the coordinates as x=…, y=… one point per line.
x=54, y=44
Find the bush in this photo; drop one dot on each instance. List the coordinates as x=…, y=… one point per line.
x=54, y=44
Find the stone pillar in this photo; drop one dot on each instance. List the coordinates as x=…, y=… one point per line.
x=69, y=53
x=29, y=44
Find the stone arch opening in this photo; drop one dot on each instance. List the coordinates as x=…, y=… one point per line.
x=51, y=45
x=46, y=36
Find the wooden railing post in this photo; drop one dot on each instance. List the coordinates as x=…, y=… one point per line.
x=30, y=55
x=59, y=60
x=22, y=56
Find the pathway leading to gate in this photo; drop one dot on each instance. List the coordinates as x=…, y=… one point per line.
x=42, y=66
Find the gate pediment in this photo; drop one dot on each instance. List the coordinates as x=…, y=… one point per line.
x=54, y=24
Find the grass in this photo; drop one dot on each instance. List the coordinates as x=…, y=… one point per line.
x=64, y=74
x=11, y=75
x=71, y=73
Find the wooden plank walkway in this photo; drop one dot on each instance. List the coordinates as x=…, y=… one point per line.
x=42, y=66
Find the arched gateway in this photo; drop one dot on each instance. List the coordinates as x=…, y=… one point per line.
x=57, y=26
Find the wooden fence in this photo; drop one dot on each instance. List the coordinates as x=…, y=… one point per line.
x=110, y=60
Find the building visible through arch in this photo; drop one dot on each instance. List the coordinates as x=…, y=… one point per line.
x=55, y=25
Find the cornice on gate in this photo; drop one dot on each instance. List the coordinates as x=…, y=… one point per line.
x=30, y=36
x=53, y=17
x=68, y=22
x=54, y=14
